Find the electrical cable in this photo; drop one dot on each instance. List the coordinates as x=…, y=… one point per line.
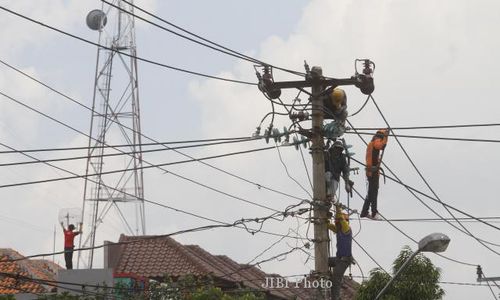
x=464, y=219
x=150, y=164
x=258, y=185
x=157, y=203
x=19, y=289
x=427, y=183
x=124, y=53
x=435, y=126
x=236, y=223
x=64, y=149
x=434, y=138
x=220, y=48
x=412, y=239
x=77, y=176
x=132, y=153
x=288, y=173
x=369, y=255
x=361, y=108
x=241, y=268
x=449, y=282
x=413, y=192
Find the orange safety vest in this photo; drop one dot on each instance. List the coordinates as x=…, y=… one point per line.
x=373, y=154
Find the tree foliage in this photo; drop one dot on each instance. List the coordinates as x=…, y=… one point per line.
x=419, y=281
x=187, y=288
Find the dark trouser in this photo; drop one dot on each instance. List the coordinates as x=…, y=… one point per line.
x=340, y=264
x=68, y=257
x=371, y=197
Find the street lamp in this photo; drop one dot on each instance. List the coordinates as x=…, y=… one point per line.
x=434, y=242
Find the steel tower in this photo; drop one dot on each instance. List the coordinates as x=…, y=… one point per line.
x=115, y=121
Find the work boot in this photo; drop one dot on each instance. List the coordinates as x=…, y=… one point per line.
x=364, y=214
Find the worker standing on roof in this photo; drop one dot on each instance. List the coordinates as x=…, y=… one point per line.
x=336, y=165
x=373, y=161
x=343, y=258
x=69, y=245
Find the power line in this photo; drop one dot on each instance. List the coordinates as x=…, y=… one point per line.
x=221, y=142
x=413, y=191
x=148, y=163
x=159, y=204
x=369, y=255
x=130, y=153
x=434, y=137
x=55, y=283
x=449, y=282
x=288, y=173
x=124, y=53
x=191, y=230
x=412, y=239
x=361, y=108
x=435, y=126
x=220, y=48
x=463, y=219
x=258, y=185
x=76, y=176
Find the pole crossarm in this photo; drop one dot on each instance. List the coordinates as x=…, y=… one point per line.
x=309, y=83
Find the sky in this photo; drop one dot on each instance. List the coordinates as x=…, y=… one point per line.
x=434, y=66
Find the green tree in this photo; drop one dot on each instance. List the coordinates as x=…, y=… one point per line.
x=186, y=288
x=419, y=281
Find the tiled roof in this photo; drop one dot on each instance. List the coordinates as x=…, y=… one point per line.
x=163, y=256
x=37, y=269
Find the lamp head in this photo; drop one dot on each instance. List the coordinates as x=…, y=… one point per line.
x=434, y=242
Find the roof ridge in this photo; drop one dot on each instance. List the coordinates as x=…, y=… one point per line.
x=167, y=241
x=195, y=258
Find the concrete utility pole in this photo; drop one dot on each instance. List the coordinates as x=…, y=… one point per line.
x=321, y=206
x=315, y=80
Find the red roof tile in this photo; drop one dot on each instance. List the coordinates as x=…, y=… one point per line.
x=37, y=269
x=163, y=256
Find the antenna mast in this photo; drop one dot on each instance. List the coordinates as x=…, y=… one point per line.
x=115, y=120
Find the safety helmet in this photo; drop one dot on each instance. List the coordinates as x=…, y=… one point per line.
x=381, y=133
x=338, y=144
x=345, y=216
x=338, y=97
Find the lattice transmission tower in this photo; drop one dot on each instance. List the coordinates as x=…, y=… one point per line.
x=115, y=121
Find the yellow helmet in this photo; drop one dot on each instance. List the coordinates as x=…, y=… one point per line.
x=338, y=97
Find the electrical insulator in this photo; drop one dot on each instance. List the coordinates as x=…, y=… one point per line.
x=286, y=134
x=257, y=132
x=333, y=130
x=267, y=135
x=300, y=116
x=276, y=135
x=365, y=80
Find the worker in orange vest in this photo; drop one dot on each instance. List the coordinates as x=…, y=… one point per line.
x=373, y=161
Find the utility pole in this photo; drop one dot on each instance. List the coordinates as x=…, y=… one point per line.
x=318, y=83
x=320, y=204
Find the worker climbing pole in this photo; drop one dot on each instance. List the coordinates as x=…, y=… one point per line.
x=330, y=103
